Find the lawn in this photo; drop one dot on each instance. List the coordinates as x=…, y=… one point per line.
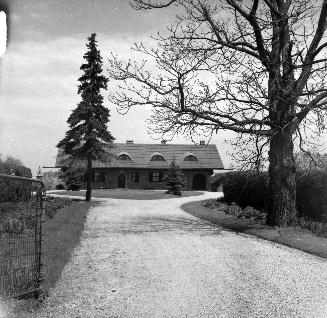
x=295, y=237
x=62, y=235
x=130, y=194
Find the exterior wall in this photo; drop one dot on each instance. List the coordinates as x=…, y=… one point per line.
x=111, y=180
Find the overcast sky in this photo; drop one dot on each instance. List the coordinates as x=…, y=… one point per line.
x=39, y=71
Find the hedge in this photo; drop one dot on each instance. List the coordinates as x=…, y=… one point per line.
x=311, y=192
x=249, y=188
x=246, y=188
x=13, y=190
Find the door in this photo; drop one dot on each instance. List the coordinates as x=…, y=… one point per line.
x=199, y=182
x=121, y=181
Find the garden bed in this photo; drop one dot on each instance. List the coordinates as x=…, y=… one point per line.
x=295, y=237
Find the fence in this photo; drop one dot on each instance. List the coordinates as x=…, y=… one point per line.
x=21, y=223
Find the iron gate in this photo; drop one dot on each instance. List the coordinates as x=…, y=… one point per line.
x=22, y=202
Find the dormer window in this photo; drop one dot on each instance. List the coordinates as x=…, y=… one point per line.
x=158, y=158
x=124, y=157
x=191, y=158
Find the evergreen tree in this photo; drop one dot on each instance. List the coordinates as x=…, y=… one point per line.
x=174, y=179
x=87, y=137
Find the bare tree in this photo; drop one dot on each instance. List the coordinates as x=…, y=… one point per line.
x=256, y=67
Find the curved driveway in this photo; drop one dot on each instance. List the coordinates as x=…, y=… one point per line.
x=151, y=259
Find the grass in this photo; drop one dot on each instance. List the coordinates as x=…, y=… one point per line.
x=62, y=235
x=295, y=237
x=130, y=194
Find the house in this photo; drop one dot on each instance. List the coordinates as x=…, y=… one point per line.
x=142, y=166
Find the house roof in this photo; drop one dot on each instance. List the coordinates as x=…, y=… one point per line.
x=141, y=154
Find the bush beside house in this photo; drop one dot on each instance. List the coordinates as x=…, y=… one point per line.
x=174, y=179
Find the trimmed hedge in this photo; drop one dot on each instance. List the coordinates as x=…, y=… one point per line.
x=311, y=192
x=246, y=188
x=249, y=188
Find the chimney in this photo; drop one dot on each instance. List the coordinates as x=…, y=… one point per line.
x=202, y=142
x=129, y=141
x=163, y=141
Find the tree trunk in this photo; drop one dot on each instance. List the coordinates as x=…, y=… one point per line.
x=282, y=184
x=88, y=180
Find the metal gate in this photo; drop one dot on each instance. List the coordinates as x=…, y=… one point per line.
x=22, y=202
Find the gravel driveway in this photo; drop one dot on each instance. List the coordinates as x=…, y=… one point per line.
x=151, y=259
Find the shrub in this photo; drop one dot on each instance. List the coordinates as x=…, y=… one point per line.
x=60, y=186
x=311, y=192
x=246, y=188
x=14, y=191
x=13, y=166
x=54, y=204
x=74, y=186
x=174, y=179
x=19, y=217
x=148, y=187
x=233, y=209
x=251, y=189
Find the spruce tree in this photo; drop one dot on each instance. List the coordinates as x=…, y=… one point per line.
x=174, y=179
x=87, y=137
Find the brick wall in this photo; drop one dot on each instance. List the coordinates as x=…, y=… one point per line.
x=111, y=180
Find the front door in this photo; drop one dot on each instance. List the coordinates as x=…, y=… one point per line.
x=121, y=181
x=199, y=182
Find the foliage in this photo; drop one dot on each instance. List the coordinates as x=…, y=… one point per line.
x=174, y=179
x=310, y=161
x=60, y=186
x=14, y=166
x=320, y=228
x=88, y=137
x=15, y=191
x=51, y=179
x=73, y=177
x=257, y=68
x=233, y=209
x=54, y=204
x=246, y=188
x=251, y=189
x=311, y=193
x=19, y=217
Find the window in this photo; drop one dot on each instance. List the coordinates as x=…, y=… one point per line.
x=190, y=158
x=155, y=176
x=98, y=176
x=158, y=158
x=124, y=157
x=135, y=177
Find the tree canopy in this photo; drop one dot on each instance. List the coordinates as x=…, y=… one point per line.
x=255, y=67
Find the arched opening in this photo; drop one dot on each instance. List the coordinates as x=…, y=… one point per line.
x=199, y=182
x=190, y=158
x=121, y=181
x=158, y=158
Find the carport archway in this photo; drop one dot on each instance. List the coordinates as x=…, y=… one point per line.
x=121, y=181
x=199, y=182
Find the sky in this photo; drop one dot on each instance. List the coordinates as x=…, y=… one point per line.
x=39, y=72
